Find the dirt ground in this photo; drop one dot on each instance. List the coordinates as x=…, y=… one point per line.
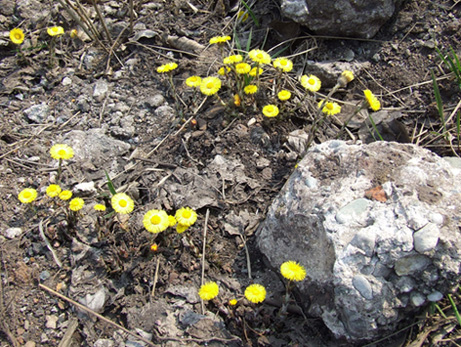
x=172, y=161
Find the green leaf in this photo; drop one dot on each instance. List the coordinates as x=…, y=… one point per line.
x=110, y=185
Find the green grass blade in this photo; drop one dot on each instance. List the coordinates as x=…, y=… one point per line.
x=440, y=311
x=249, y=39
x=252, y=15
x=110, y=185
x=375, y=128
x=439, y=102
x=458, y=127
x=455, y=309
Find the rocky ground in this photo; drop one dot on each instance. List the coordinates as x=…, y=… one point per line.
x=120, y=116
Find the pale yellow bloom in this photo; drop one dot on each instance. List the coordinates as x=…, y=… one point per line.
x=311, y=83
x=330, y=108
x=55, y=31
x=372, y=100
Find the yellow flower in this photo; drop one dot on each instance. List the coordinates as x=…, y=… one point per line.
x=17, y=36
x=53, y=190
x=284, y=95
x=219, y=39
x=171, y=221
x=73, y=33
x=210, y=85
x=186, y=216
x=256, y=71
x=311, y=83
x=55, y=31
x=223, y=71
x=208, y=291
x=255, y=293
x=122, y=203
x=293, y=271
x=65, y=195
x=243, y=16
x=154, y=247
x=237, y=100
x=283, y=64
x=242, y=68
x=330, y=108
x=348, y=75
x=61, y=152
x=155, y=221
x=167, y=67
x=99, y=207
x=76, y=204
x=27, y=195
x=233, y=59
x=270, y=111
x=372, y=100
x=250, y=89
x=181, y=228
x=233, y=302
x=259, y=56
x=193, y=81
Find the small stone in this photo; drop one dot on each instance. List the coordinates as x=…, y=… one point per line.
x=100, y=90
x=427, y=238
x=66, y=81
x=363, y=286
x=85, y=187
x=352, y=210
x=155, y=101
x=51, y=321
x=12, y=233
x=44, y=275
x=29, y=344
x=417, y=299
x=411, y=264
x=37, y=113
x=435, y=296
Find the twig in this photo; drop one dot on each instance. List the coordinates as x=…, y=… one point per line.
x=3, y=322
x=86, y=309
x=103, y=22
x=157, y=266
x=131, y=17
x=248, y=256
x=203, y=254
x=48, y=245
x=67, y=338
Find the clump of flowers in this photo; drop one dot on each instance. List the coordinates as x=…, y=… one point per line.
x=372, y=100
x=255, y=293
x=208, y=291
x=293, y=271
x=122, y=203
x=156, y=221
x=26, y=196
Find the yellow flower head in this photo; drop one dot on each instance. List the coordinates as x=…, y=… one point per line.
x=293, y=271
x=181, y=228
x=61, y=152
x=171, y=221
x=233, y=59
x=53, y=190
x=186, y=216
x=223, y=71
x=330, y=108
x=255, y=293
x=250, y=89
x=55, y=31
x=256, y=71
x=284, y=95
x=155, y=221
x=242, y=68
x=210, y=85
x=154, y=247
x=99, y=207
x=65, y=195
x=270, y=111
x=208, y=291
x=283, y=64
x=259, y=56
x=17, y=36
x=233, y=302
x=27, y=195
x=242, y=15
x=237, y=100
x=73, y=33
x=219, y=39
x=167, y=67
x=346, y=77
x=372, y=100
x=122, y=203
x=76, y=204
x=311, y=83
x=194, y=81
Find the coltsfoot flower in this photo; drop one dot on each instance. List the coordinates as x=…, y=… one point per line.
x=181, y=228
x=186, y=216
x=155, y=221
x=55, y=31
x=171, y=221
x=17, y=36
x=219, y=39
x=242, y=68
x=346, y=77
x=65, y=195
x=237, y=100
x=167, y=67
x=208, y=291
x=330, y=108
x=250, y=89
x=233, y=302
x=259, y=56
x=122, y=203
x=311, y=83
x=233, y=59
x=61, y=151
x=284, y=95
x=372, y=100
x=99, y=207
x=270, y=111
x=210, y=85
x=293, y=271
x=76, y=204
x=53, y=190
x=194, y=81
x=27, y=195
x=283, y=64
x=256, y=71
x=224, y=70
x=255, y=293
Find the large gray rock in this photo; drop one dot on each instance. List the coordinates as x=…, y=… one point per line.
x=354, y=18
x=372, y=257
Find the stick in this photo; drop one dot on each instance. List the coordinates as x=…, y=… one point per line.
x=203, y=254
x=42, y=234
x=86, y=309
x=157, y=266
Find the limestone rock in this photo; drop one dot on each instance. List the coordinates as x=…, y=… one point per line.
x=371, y=259
x=362, y=18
